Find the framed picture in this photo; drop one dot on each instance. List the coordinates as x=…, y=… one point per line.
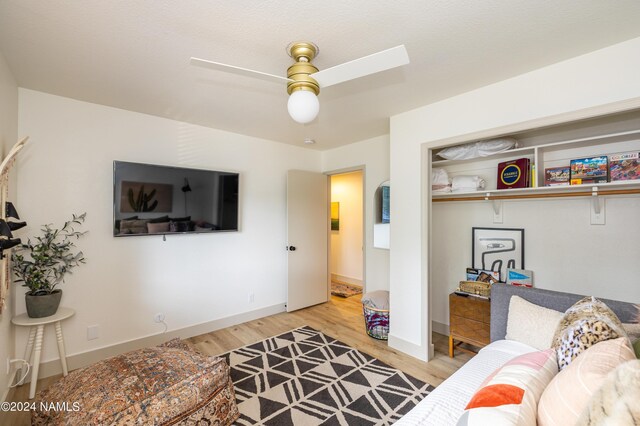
x=496, y=249
x=386, y=211
x=335, y=216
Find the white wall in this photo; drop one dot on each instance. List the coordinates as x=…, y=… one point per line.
x=347, y=243
x=589, y=81
x=562, y=249
x=373, y=155
x=67, y=168
x=8, y=137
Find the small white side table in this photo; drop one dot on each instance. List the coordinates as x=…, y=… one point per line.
x=36, y=333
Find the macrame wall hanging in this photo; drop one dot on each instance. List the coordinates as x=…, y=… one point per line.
x=5, y=168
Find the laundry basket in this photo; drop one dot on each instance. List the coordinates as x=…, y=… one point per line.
x=375, y=306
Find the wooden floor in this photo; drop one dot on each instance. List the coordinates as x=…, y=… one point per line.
x=339, y=318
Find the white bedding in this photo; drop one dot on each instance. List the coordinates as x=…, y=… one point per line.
x=445, y=404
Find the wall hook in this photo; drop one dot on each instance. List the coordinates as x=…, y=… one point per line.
x=597, y=208
x=497, y=211
x=595, y=201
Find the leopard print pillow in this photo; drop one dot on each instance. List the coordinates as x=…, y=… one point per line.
x=584, y=324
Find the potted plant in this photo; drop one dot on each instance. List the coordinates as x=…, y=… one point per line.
x=50, y=257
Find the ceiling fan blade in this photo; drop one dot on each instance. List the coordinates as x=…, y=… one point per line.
x=381, y=61
x=237, y=70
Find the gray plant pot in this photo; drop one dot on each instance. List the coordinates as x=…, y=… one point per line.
x=43, y=305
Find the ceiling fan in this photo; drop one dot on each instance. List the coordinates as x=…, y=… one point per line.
x=304, y=80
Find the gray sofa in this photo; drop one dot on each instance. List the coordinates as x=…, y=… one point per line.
x=444, y=405
x=559, y=301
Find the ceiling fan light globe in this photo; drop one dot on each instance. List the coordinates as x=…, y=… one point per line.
x=303, y=106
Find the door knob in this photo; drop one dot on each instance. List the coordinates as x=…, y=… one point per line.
x=291, y=248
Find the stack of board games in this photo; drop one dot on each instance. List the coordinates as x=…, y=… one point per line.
x=514, y=174
x=557, y=176
x=475, y=274
x=589, y=170
x=624, y=166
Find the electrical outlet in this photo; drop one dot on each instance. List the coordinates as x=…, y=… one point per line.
x=252, y=297
x=159, y=317
x=93, y=332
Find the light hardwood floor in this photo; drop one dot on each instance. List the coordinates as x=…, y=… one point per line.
x=339, y=318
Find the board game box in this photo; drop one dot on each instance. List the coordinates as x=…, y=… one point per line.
x=475, y=274
x=522, y=277
x=589, y=170
x=557, y=176
x=624, y=166
x=514, y=174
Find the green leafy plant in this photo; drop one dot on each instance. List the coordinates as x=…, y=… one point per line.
x=140, y=203
x=50, y=257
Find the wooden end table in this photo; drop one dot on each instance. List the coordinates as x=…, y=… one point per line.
x=469, y=322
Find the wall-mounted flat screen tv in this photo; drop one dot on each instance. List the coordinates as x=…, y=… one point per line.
x=150, y=199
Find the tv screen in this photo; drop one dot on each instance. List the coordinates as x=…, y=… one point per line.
x=150, y=199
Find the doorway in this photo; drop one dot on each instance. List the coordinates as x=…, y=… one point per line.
x=346, y=235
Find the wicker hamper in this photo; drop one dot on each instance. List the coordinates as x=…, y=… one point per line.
x=376, y=320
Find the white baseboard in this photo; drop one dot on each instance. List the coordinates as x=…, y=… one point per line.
x=439, y=327
x=345, y=279
x=83, y=359
x=409, y=348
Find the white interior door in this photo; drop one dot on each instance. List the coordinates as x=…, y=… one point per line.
x=307, y=227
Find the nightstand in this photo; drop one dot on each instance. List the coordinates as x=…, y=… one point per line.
x=469, y=319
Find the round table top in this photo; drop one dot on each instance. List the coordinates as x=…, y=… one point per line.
x=25, y=320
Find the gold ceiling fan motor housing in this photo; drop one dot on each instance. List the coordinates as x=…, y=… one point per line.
x=303, y=53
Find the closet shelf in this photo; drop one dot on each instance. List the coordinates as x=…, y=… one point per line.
x=547, y=147
x=588, y=190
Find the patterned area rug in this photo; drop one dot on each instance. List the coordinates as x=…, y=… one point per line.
x=345, y=290
x=304, y=377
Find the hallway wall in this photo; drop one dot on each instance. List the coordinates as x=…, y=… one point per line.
x=346, y=244
x=371, y=155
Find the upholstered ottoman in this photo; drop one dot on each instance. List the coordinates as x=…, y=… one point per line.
x=164, y=385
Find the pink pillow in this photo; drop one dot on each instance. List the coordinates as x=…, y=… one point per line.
x=569, y=392
x=510, y=394
x=616, y=402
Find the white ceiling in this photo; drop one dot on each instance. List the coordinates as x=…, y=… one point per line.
x=134, y=54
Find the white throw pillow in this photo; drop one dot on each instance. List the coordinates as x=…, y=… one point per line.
x=531, y=324
x=478, y=149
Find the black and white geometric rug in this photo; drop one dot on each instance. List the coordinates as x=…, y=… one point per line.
x=304, y=377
